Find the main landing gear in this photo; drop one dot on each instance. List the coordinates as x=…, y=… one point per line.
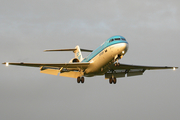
x=80, y=79
x=112, y=80
x=117, y=64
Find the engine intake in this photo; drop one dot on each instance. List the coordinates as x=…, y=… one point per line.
x=74, y=60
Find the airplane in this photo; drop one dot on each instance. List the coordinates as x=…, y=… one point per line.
x=101, y=61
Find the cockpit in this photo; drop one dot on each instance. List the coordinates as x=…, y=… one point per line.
x=117, y=39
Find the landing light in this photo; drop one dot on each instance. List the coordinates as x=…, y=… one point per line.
x=122, y=52
x=7, y=64
x=174, y=68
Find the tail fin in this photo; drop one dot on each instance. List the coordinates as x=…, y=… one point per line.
x=78, y=53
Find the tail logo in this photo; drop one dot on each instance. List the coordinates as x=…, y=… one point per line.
x=78, y=55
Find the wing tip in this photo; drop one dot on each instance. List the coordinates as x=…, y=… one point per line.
x=48, y=50
x=174, y=68
x=6, y=63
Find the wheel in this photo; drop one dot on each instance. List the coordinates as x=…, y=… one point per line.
x=82, y=79
x=117, y=64
x=114, y=80
x=110, y=80
x=78, y=80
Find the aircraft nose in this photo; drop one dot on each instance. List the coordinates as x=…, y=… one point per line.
x=125, y=42
x=125, y=47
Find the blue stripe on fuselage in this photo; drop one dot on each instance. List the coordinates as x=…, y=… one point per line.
x=101, y=48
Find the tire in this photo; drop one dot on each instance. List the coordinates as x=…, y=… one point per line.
x=78, y=80
x=110, y=80
x=82, y=79
x=114, y=80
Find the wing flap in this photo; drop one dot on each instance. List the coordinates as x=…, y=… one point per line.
x=134, y=74
x=117, y=75
x=72, y=74
x=49, y=70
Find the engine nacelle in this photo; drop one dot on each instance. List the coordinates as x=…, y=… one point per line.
x=74, y=60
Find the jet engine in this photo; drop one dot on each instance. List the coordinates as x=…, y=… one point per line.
x=74, y=60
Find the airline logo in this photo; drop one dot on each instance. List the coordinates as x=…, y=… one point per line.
x=78, y=55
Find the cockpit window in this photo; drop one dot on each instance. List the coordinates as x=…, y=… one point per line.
x=124, y=39
x=117, y=39
x=111, y=40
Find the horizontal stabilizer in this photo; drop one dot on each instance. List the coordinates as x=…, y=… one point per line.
x=86, y=50
x=59, y=50
x=83, y=50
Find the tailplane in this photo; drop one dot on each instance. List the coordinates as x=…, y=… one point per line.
x=77, y=51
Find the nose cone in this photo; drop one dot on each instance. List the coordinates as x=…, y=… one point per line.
x=122, y=47
x=125, y=45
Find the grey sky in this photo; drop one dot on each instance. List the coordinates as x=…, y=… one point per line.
x=28, y=27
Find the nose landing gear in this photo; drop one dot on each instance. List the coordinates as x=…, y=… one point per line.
x=117, y=64
x=116, y=58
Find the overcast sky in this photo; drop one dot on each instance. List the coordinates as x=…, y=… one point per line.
x=27, y=27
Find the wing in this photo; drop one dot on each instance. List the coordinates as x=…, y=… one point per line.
x=64, y=65
x=126, y=66
x=53, y=69
x=132, y=70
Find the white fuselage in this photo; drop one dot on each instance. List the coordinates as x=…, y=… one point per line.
x=106, y=57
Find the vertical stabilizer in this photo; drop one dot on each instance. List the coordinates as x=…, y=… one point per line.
x=78, y=53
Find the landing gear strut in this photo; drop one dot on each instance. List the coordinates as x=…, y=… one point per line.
x=112, y=80
x=117, y=57
x=80, y=79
